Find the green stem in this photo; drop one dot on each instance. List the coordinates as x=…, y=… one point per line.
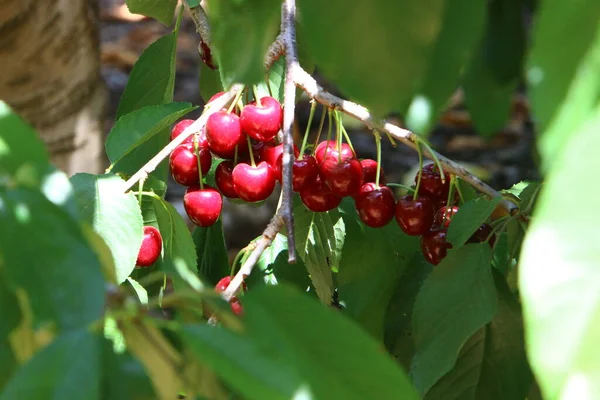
x=140, y=190
x=392, y=141
x=378, y=143
x=149, y=194
x=329, y=129
x=321, y=124
x=236, y=99
x=460, y=194
x=197, y=152
x=420, y=152
x=338, y=135
x=408, y=188
x=237, y=258
x=250, y=151
x=256, y=96
x=267, y=81
x=435, y=160
x=451, y=191
x=348, y=139
x=313, y=106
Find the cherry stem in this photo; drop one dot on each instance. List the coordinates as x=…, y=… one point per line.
x=237, y=258
x=330, y=125
x=235, y=155
x=345, y=133
x=457, y=183
x=338, y=135
x=321, y=124
x=149, y=194
x=140, y=189
x=392, y=141
x=435, y=159
x=250, y=151
x=420, y=169
x=451, y=190
x=256, y=97
x=408, y=188
x=235, y=101
x=197, y=152
x=313, y=106
x=268, y=82
x=378, y=171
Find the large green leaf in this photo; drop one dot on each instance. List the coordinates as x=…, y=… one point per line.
x=559, y=275
x=276, y=81
x=68, y=368
x=113, y=214
x=469, y=217
x=44, y=253
x=281, y=324
x=319, y=242
x=459, y=36
x=458, y=298
x=9, y=309
x=8, y=362
x=377, y=51
x=162, y=10
x=213, y=263
x=241, y=33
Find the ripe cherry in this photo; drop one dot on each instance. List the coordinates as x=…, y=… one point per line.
x=415, y=217
x=318, y=197
x=328, y=148
x=431, y=183
x=223, y=132
x=304, y=172
x=184, y=164
x=224, y=179
x=234, y=302
x=369, y=168
x=444, y=215
x=375, y=206
x=273, y=154
x=203, y=206
x=179, y=127
x=253, y=183
x=481, y=235
x=434, y=246
x=343, y=178
x=150, y=248
x=264, y=121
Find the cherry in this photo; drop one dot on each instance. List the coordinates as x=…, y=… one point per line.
x=304, y=172
x=444, y=215
x=223, y=132
x=369, y=168
x=179, y=127
x=184, y=164
x=415, y=217
x=434, y=246
x=375, y=205
x=236, y=306
x=203, y=206
x=328, y=148
x=224, y=179
x=318, y=197
x=481, y=235
x=150, y=248
x=431, y=183
x=264, y=121
x=343, y=178
x=253, y=184
x=234, y=302
x=273, y=154
x=215, y=96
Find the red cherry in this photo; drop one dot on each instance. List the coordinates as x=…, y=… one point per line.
x=253, y=183
x=369, y=168
x=318, y=197
x=224, y=179
x=431, y=183
x=203, y=206
x=375, y=206
x=264, y=121
x=224, y=284
x=328, y=148
x=481, y=235
x=343, y=178
x=434, y=246
x=150, y=248
x=304, y=172
x=223, y=132
x=214, y=97
x=444, y=215
x=179, y=127
x=415, y=217
x=273, y=154
x=184, y=164
x=236, y=306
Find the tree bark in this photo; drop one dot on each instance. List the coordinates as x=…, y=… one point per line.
x=50, y=75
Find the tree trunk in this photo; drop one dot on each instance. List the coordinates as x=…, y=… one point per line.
x=50, y=75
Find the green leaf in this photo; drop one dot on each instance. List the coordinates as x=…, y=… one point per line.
x=124, y=377
x=461, y=31
x=68, y=368
x=276, y=81
x=458, y=298
x=281, y=323
x=161, y=10
x=62, y=278
x=114, y=215
x=8, y=362
x=209, y=82
x=319, y=242
x=9, y=309
x=380, y=48
x=559, y=275
x=213, y=262
x=139, y=290
x=137, y=127
x=241, y=33
x=467, y=192
x=469, y=217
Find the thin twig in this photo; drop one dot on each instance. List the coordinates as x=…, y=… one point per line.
x=288, y=21
x=200, y=21
x=197, y=126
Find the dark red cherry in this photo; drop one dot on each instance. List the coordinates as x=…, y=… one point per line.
x=318, y=197
x=223, y=132
x=431, y=183
x=434, y=246
x=414, y=217
x=375, y=206
x=481, y=235
x=328, y=148
x=184, y=164
x=253, y=184
x=273, y=154
x=444, y=215
x=224, y=179
x=369, y=168
x=203, y=206
x=345, y=178
x=264, y=121
x=150, y=248
x=304, y=172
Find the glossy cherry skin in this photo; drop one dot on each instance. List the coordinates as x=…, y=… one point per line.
x=234, y=302
x=224, y=132
x=273, y=154
x=375, y=206
x=369, y=168
x=224, y=179
x=431, y=183
x=179, y=127
x=444, y=215
x=344, y=179
x=304, y=172
x=481, y=235
x=264, y=121
x=318, y=197
x=150, y=248
x=434, y=246
x=414, y=217
x=184, y=164
x=253, y=184
x=203, y=206
x=328, y=148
